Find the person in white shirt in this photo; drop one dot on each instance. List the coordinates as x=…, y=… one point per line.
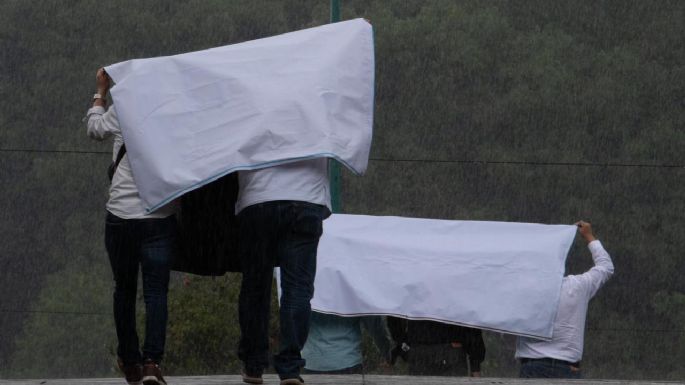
x=560, y=357
x=280, y=212
x=134, y=238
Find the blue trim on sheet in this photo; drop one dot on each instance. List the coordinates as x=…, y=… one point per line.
x=289, y=160
x=373, y=83
x=245, y=168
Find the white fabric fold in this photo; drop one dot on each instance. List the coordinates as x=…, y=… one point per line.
x=497, y=276
x=191, y=118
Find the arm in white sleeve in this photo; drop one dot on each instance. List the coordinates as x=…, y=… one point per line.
x=596, y=277
x=102, y=124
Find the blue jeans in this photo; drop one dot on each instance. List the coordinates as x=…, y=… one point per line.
x=548, y=369
x=283, y=233
x=150, y=244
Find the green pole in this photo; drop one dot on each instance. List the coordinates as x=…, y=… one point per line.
x=333, y=166
x=335, y=11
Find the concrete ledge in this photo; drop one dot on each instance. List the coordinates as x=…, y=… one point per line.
x=311, y=379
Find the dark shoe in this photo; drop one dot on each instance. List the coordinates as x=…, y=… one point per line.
x=152, y=374
x=292, y=381
x=252, y=378
x=133, y=373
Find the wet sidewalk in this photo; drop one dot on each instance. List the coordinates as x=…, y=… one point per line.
x=330, y=380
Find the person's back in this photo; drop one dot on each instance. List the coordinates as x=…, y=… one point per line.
x=303, y=181
x=334, y=342
x=124, y=200
x=562, y=355
x=280, y=211
x=135, y=240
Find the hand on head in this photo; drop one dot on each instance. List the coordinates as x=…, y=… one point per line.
x=585, y=229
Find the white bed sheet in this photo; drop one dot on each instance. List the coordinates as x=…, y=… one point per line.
x=499, y=276
x=189, y=119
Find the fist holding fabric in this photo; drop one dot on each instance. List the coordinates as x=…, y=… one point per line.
x=585, y=229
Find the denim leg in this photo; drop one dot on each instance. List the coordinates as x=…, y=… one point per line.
x=543, y=369
x=257, y=240
x=156, y=252
x=121, y=248
x=297, y=259
x=572, y=373
x=535, y=369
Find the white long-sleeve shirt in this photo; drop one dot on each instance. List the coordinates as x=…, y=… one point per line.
x=124, y=200
x=306, y=181
x=569, y=325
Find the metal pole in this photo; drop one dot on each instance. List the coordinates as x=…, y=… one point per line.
x=335, y=11
x=333, y=166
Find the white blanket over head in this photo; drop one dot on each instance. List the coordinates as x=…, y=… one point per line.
x=189, y=119
x=492, y=275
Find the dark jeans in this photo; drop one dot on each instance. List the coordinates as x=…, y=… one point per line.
x=284, y=233
x=150, y=244
x=548, y=369
x=437, y=360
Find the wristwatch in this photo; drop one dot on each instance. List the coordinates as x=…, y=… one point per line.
x=98, y=96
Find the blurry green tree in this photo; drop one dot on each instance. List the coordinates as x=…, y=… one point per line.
x=587, y=83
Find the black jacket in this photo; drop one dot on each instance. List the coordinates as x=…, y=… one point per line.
x=432, y=332
x=208, y=229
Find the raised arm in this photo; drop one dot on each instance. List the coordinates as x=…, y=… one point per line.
x=101, y=123
x=599, y=274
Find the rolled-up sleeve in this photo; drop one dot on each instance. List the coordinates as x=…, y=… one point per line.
x=102, y=124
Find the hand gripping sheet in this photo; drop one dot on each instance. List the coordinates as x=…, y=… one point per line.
x=491, y=275
x=189, y=119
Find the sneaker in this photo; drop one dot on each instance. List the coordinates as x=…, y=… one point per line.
x=293, y=381
x=133, y=373
x=252, y=378
x=152, y=373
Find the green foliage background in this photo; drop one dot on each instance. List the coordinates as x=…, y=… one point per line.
x=533, y=110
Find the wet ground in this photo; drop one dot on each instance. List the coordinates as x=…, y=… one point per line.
x=330, y=380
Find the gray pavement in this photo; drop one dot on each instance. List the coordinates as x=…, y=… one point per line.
x=330, y=380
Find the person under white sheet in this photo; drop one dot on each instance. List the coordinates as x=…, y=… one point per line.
x=560, y=357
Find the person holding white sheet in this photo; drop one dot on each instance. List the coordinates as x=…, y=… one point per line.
x=135, y=240
x=280, y=212
x=560, y=357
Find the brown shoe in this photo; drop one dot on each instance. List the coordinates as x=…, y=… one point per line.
x=152, y=374
x=292, y=381
x=133, y=373
x=251, y=378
